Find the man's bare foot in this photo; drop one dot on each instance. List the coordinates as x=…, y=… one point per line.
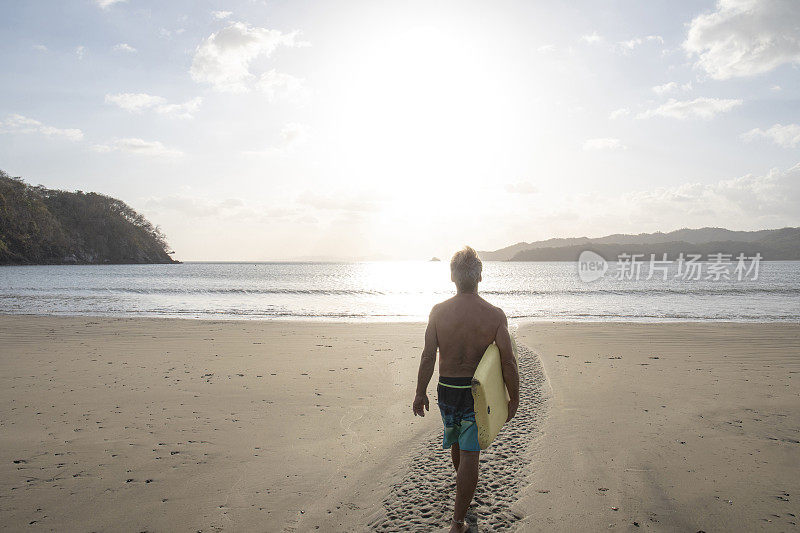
x=459, y=527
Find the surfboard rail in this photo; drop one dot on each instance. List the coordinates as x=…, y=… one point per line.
x=490, y=396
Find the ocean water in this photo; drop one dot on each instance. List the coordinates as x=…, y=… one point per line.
x=392, y=291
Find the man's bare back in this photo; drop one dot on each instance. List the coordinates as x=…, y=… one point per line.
x=465, y=325
x=461, y=329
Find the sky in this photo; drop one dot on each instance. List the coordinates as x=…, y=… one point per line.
x=295, y=130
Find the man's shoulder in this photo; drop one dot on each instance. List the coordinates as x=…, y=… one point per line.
x=444, y=306
x=437, y=308
x=444, y=303
x=497, y=311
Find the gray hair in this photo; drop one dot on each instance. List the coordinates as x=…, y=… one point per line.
x=466, y=268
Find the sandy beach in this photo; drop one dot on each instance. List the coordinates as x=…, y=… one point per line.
x=179, y=425
x=681, y=427
x=182, y=425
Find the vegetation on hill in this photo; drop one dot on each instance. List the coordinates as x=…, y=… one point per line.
x=47, y=226
x=777, y=244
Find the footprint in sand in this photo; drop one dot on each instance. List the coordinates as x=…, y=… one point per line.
x=423, y=499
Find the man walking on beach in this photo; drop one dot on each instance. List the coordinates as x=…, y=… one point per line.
x=462, y=328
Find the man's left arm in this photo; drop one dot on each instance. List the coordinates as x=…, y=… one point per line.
x=426, y=365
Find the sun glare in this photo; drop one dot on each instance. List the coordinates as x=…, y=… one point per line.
x=425, y=103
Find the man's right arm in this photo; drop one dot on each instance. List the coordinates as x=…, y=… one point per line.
x=509, y=365
x=426, y=366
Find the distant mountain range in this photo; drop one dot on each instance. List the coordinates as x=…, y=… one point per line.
x=773, y=245
x=48, y=226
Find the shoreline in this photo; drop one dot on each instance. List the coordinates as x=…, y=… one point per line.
x=513, y=321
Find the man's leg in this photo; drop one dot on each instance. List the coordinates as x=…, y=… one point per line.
x=455, y=453
x=466, y=481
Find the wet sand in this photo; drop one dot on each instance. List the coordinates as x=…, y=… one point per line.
x=181, y=425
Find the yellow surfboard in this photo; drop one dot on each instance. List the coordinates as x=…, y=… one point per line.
x=490, y=396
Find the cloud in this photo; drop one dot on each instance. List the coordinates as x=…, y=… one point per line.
x=773, y=197
x=134, y=102
x=666, y=88
x=546, y=48
x=522, y=187
x=745, y=37
x=136, y=146
x=787, y=136
x=40, y=47
x=137, y=102
x=184, y=110
x=604, y=143
x=196, y=206
x=627, y=46
x=279, y=85
x=591, y=38
x=19, y=124
x=292, y=135
x=704, y=108
x=306, y=219
x=223, y=59
x=106, y=4
x=770, y=199
x=220, y=15
x=339, y=202
x=671, y=87
x=619, y=113
x=80, y=51
x=124, y=47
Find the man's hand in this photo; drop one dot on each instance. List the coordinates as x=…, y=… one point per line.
x=420, y=402
x=512, y=409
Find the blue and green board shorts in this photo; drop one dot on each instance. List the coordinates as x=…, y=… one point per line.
x=458, y=413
